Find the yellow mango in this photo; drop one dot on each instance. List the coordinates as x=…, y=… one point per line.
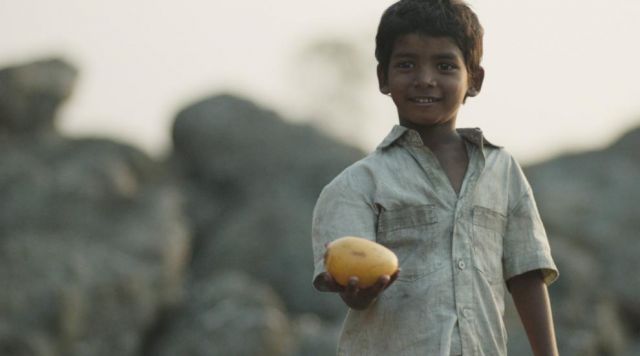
x=356, y=256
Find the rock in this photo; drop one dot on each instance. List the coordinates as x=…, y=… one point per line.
x=586, y=316
x=591, y=199
x=92, y=247
x=251, y=181
x=588, y=204
x=30, y=95
x=227, y=313
x=23, y=342
x=315, y=336
x=633, y=350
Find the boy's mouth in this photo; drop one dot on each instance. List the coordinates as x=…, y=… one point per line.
x=424, y=99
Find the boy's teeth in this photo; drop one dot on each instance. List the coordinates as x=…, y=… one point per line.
x=424, y=100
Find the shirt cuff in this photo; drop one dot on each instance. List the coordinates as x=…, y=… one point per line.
x=541, y=261
x=318, y=268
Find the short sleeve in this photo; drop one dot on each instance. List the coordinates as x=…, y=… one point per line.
x=340, y=211
x=526, y=247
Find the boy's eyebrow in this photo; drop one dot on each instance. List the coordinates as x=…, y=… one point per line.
x=446, y=55
x=443, y=55
x=405, y=54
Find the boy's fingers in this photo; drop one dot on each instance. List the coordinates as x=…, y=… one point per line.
x=352, y=285
x=381, y=283
x=392, y=278
x=331, y=283
x=395, y=275
x=328, y=278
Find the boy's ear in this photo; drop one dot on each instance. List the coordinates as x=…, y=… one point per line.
x=382, y=80
x=476, y=78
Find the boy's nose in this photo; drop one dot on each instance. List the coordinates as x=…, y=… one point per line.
x=425, y=78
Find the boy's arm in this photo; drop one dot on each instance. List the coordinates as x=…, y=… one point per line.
x=530, y=296
x=343, y=209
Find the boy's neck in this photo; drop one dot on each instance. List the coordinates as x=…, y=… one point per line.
x=437, y=136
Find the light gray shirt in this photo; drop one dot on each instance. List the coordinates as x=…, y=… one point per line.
x=455, y=251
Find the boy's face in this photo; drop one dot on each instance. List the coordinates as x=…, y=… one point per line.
x=427, y=79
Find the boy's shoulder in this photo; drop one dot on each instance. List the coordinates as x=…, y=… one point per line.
x=359, y=174
x=362, y=176
x=476, y=136
x=497, y=154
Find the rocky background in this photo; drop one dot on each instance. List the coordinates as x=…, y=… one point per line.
x=105, y=251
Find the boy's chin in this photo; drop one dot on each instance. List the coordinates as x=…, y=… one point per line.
x=426, y=122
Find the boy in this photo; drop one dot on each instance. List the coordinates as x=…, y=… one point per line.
x=456, y=209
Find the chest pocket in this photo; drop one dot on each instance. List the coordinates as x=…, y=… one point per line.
x=488, y=232
x=411, y=233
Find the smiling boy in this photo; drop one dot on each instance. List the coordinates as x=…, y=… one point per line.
x=456, y=209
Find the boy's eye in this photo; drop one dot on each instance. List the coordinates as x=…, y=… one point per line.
x=447, y=67
x=404, y=65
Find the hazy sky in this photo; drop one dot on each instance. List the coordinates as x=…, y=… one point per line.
x=561, y=74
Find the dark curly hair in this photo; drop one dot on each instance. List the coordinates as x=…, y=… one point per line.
x=438, y=18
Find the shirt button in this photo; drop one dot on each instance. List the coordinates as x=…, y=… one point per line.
x=461, y=264
x=466, y=312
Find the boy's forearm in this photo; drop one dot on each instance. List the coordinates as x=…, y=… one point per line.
x=531, y=299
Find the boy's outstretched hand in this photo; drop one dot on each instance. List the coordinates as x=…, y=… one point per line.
x=354, y=297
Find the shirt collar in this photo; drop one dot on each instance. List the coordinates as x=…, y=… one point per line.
x=411, y=137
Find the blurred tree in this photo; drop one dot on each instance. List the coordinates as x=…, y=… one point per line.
x=333, y=77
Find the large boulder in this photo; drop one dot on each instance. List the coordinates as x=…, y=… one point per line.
x=588, y=204
x=93, y=244
x=226, y=313
x=591, y=198
x=251, y=181
x=92, y=247
x=586, y=315
x=315, y=336
x=31, y=94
